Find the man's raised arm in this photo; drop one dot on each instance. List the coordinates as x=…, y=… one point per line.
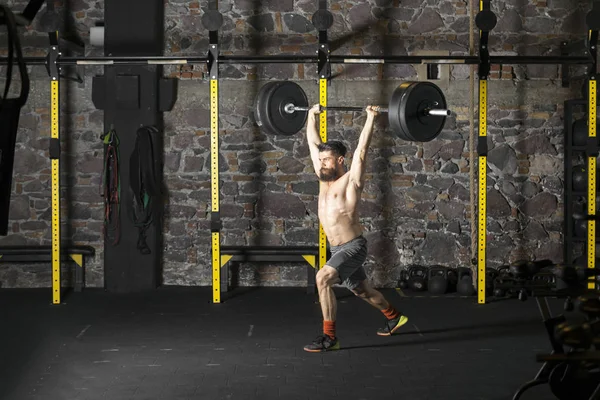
x=313, y=137
x=359, y=160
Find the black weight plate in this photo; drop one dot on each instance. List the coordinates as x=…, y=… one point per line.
x=212, y=20
x=261, y=108
x=486, y=20
x=409, y=118
x=322, y=20
x=394, y=113
x=277, y=98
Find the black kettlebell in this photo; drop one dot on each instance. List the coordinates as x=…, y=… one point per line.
x=452, y=279
x=437, y=279
x=503, y=270
x=403, y=281
x=465, y=282
x=519, y=269
x=490, y=276
x=417, y=278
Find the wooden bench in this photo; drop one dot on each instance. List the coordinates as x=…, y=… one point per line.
x=42, y=254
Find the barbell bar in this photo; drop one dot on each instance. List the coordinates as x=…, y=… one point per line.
x=290, y=108
x=416, y=112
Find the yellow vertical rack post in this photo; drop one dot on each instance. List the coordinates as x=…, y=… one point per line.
x=323, y=133
x=324, y=74
x=482, y=150
x=214, y=179
x=591, y=238
x=215, y=228
x=482, y=182
x=54, y=151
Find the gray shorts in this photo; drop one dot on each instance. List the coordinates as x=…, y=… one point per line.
x=348, y=260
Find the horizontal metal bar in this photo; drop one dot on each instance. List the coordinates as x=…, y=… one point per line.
x=269, y=258
x=290, y=108
x=350, y=59
x=438, y=112
x=342, y=108
x=225, y=59
x=28, y=60
x=141, y=60
x=459, y=60
x=301, y=59
x=540, y=60
x=269, y=250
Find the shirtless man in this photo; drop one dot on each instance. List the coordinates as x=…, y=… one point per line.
x=339, y=195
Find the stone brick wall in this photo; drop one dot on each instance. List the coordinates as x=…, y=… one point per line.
x=415, y=208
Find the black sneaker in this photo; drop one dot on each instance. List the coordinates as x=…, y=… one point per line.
x=323, y=343
x=392, y=325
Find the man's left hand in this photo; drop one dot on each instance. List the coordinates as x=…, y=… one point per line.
x=372, y=110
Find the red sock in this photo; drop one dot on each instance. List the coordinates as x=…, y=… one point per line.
x=329, y=328
x=390, y=312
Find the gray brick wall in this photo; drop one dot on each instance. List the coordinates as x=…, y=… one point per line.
x=415, y=208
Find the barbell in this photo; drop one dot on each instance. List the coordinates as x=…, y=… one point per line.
x=416, y=111
x=290, y=108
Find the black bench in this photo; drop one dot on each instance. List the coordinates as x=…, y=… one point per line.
x=39, y=254
x=280, y=254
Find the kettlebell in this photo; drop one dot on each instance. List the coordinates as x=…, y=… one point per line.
x=417, y=278
x=437, y=279
x=519, y=269
x=503, y=270
x=490, y=276
x=465, y=282
x=403, y=281
x=452, y=279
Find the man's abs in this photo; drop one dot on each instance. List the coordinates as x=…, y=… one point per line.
x=339, y=234
x=338, y=213
x=339, y=227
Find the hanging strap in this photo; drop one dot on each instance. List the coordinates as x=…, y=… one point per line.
x=111, y=191
x=144, y=183
x=14, y=48
x=10, y=111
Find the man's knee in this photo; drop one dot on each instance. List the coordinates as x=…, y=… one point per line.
x=360, y=293
x=327, y=276
x=364, y=290
x=360, y=290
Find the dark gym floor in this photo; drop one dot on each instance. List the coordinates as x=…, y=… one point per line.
x=173, y=343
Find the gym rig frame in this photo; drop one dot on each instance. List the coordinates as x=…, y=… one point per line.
x=315, y=256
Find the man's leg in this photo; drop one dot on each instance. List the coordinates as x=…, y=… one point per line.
x=371, y=296
x=375, y=298
x=326, y=278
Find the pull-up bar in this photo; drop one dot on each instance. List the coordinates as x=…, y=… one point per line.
x=299, y=59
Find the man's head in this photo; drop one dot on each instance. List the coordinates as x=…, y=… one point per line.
x=331, y=156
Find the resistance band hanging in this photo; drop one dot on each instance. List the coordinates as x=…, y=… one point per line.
x=10, y=110
x=144, y=182
x=111, y=188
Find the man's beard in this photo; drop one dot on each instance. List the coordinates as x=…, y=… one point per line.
x=327, y=175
